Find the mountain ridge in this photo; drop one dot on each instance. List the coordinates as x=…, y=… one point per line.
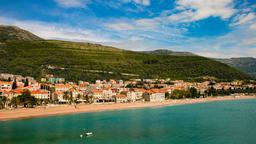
x=168, y=52
x=246, y=64
x=13, y=33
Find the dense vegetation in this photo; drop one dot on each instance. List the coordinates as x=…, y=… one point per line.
x=211, y=91
x=91, y=61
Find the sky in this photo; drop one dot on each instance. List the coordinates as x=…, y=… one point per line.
x=210, y=28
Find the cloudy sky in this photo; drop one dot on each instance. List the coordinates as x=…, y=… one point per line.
x=212, y=28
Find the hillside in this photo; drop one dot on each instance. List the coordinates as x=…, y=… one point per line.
x=168, y=52
x=87, y=61
x=245, y=64
x=12, y=33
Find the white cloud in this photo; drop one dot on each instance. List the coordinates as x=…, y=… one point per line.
x=244, y=18
x=140, y=2
x=194, y=10
x=139, y=24
x=73, y=3
x=253, y=26
x=185, y=11
x=148, y=23
x=120, y=26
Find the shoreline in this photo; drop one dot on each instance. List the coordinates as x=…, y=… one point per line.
x=26, y=113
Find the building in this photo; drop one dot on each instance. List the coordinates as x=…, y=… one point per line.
x=54, y=80
x=5, y=86
x=131, y=96
x=154, y=95
x=97, y=95
x=139, y=93
x=62, y=87
x=6, y=76
x=41, y=94
x=107, y=94
x=120, y=98
x=59, y=95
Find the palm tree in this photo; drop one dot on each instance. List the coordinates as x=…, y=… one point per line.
x=52, y=90
x=67, y=96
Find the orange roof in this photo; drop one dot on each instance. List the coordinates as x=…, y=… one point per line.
x=18, y=91
x=5, y=92
x=5, y=82
x=62, y=86
x=96, y=91
x=157, y=91
x=28, y=87
x=59, y=92
x=83, y=85
x=139, y=90
x=120, y=96
x=39, y=92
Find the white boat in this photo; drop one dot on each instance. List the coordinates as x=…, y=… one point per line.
x=89, y=134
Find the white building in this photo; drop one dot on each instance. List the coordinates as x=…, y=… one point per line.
x=154, y=95
x=5, y=86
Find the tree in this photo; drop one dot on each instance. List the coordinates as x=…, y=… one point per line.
x=52, y=97
x=26, y=83
x=167, y=95
x=3, y=100
x=14, y=102
x=212, y=92
x=178, y=94
x=26, y=99
x=88, y=98
x=67, y=96
x=14, y=84
x=193, y=92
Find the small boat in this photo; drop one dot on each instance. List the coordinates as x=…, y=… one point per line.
x=88, y=134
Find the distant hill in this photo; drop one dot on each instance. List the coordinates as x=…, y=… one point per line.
x=12, y=33
x=169, y=52
x=86, y=61
x=246, y=64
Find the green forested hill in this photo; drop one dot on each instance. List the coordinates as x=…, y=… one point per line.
x=90, y=61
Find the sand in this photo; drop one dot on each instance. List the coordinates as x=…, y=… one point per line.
x=23, y=113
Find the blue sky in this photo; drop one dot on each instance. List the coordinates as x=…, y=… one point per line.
x=212, y=28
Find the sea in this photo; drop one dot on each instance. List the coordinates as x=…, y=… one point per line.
x=226, y=122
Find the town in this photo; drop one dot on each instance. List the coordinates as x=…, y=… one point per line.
x=24, y=91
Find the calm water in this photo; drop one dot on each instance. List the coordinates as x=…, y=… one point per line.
x=229, y=122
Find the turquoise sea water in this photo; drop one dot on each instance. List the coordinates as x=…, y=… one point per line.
x=228, y=122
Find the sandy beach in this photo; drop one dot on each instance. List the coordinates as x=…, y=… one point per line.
x=23, y=113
